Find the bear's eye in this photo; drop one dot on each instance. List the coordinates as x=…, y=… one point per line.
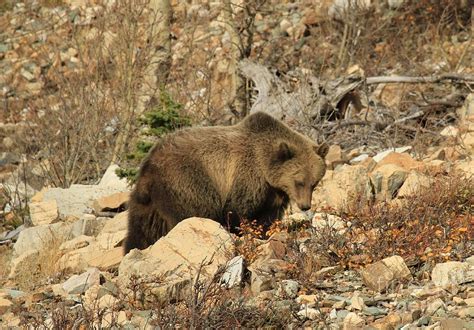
x=299, y=184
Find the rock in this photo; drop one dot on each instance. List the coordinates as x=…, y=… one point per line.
x=233, y=273
x=467, y=167
x=76, y=243
x=353, y=321
x=91, y=225
x=288, y=288
x=381, y=274
x=470, y=260
x=374, y=311
x=340, y=8
x=272, y=249
x=381, y=155
x=325, y=271
x=111, y=180
x=452, y=323
x=389, y=322
x=341, y=186
x=469, y=302
x=387, y=180
x=414, y=182
x=108, y=302
x=77, y=199
x=434, y=305
x=13, y=234
x=111, y=202
x=108, y=241
x=285, y=24
x=449, y=131
x=39, y=238
x=325, y=220
x=5, y=305
x=297, y=218
x=105, y=260
x=309, y=313
x=78, y=284
x=334, y=157
x=394, y=4
x=26, y=263
x=339, y=304
x=357, y=302
x=7, y=158
x=117, y=224
x=260, y=282
x=402, y=160
x=458, y=301
x=468, y=140
x=452, y=273
x=466, y=312
x=426, y=292
x=359, y=159
x=43, y=213
x=308, y=300
x=195, y=244
x=466, y=112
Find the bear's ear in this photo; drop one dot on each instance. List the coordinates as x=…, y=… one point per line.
x=259, y=122
x=283, y=153
x=322, y=149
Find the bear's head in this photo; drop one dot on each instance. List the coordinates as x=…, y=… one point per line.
x=296, y=170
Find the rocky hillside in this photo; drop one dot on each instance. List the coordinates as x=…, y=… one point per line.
x=406, y=260
x=388, y=242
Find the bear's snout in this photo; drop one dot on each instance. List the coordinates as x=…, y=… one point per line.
x=304, y=207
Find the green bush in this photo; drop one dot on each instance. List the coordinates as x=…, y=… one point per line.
x=163, y=119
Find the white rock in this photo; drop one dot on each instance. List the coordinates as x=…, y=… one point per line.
x=110, y=179
x=452, y=273
x=381, y=155
x=41, y=237
x=233, y=272
x=288, y=288
x=326, y=220
x=77, y=199
x=309, y=313
x=353, y=321
x=78, y=284
x=359, y=159
x=449, y=131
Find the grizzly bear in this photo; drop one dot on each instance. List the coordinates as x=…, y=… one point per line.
x=226, y=173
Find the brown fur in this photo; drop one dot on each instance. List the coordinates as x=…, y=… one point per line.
x=250, y=170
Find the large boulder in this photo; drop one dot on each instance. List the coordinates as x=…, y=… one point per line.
x=78, y=198
x=414, y=183
x=339, y=187
x=195, y=246
x=452, y=273
x=387, y=180
x=104, y=251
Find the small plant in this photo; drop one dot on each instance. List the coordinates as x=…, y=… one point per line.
x=163, y=119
